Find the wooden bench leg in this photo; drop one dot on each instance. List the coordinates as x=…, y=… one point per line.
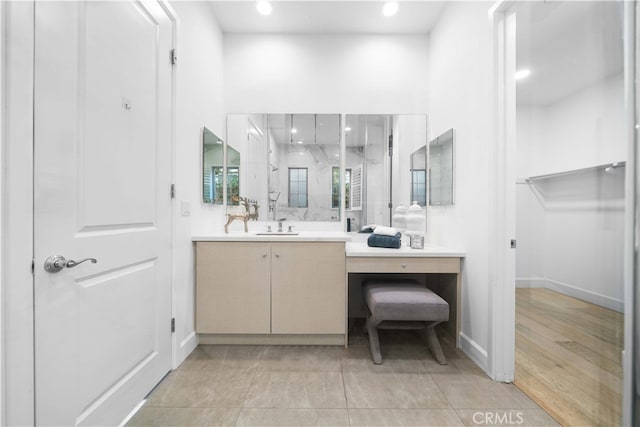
x=434, y=344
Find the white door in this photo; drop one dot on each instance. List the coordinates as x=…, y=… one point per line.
x=102, y=190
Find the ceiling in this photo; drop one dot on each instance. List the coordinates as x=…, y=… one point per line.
x=568, y=46
x=328, y=16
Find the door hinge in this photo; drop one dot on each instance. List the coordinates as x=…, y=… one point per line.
x=173, y=324
x=174, y=57
x=173, y=191
x=513, y=243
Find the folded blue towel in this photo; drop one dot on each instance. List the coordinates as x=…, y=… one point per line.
x=380, y=241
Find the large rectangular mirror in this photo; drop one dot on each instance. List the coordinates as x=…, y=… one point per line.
x=377, y=162
x=441, y=182
x=288, y=164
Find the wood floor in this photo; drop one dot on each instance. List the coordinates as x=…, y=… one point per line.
x=568, y=357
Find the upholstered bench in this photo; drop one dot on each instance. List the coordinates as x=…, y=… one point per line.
x=403, y=304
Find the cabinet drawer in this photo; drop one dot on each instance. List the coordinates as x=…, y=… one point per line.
x=402, y=265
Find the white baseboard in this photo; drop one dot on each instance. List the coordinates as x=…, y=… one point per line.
x=572, y=291
x=588, y=296
x=185, y=347
x=272, y=339
x=474, y=351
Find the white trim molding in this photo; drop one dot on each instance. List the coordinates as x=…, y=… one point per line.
x=501, y=349
x=631, y=275
x=17, y=216
x=474, y=351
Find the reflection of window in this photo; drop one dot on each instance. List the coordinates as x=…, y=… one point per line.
x=213, y=185
x=419, y=186
x=298, y=184
x=216, y=194
x=335, y=188
x=233, y=185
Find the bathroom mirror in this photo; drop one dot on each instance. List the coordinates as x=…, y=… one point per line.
x=419, y=176
x=441, y=183
x=377, y=161
x=288, y=164
x=212, y=168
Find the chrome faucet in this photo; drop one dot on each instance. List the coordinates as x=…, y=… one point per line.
x=280, y=224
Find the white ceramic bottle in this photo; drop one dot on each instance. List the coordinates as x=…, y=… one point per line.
x=415, y=220
x=400, y=218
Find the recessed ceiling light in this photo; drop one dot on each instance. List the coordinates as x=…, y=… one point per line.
x=264, y=7
x=522, y=74
x=347, y=129
x=390, y=8
x=294, y=130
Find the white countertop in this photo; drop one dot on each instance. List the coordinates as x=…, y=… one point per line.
x=303, y=236
x=355, y=245
x=361, y=249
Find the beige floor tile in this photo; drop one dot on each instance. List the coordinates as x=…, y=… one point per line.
x=296, y=390
x=228, y=357
x=302, y=358
x=403, y=417
x=501, y=417
x=392, y=390
x=470, y=391
x=203, y=389
x=389, y=366
x=209, y=352
x=253, y=417
x=168, y=417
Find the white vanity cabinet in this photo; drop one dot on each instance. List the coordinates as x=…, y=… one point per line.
x=275, y=288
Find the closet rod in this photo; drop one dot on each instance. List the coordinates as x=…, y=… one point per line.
x=607, y=167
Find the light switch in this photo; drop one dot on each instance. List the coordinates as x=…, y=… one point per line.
x=186, y=208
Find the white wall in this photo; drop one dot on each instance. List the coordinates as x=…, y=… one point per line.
x=570, y=229
x=582, y=130
x=199, y=103
x=314, y=73
x=460, y=98
x=17, y=206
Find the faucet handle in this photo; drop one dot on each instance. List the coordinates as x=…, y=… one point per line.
x=290, y=228
x=268, y=229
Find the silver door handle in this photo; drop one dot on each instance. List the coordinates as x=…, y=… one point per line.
x=56, y=263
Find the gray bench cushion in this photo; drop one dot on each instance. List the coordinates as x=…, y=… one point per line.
x=404, y=301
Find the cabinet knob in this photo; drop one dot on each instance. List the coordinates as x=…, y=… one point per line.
x=277, y=255
x=264, y=255
x=404, y=265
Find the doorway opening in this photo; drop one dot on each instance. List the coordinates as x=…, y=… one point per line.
x=570, y=162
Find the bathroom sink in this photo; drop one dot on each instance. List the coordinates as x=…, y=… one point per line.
x=277, y=233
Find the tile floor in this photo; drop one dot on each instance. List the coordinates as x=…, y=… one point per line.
x=335, y=386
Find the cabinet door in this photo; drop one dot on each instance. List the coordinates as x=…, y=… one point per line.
x=308, y=291
x=232, y=288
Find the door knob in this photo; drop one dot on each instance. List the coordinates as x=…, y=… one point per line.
x=56, y=263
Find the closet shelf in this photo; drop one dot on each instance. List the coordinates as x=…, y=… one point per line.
x=607, y=167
